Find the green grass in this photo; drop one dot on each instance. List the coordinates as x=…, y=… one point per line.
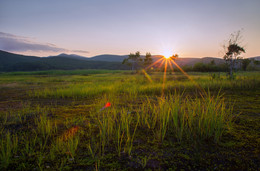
x=58, y=121
x=139, y=86
x=62, y=72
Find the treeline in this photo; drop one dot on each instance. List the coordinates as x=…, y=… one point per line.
x=242, y=65
x=210, y=67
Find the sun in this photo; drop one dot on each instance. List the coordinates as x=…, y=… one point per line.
x=167, y=54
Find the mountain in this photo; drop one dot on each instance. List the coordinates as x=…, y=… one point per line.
x=15, y=62
x=7, y=58
x=255, y=58
x=110, y=58
x=105, y=57
x=72, y=56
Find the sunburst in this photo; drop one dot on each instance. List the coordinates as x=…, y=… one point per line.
x=167, y=54
x=168, y=59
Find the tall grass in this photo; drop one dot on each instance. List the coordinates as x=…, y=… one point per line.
x=175, y=116
x=8, y=148
x=187, y=118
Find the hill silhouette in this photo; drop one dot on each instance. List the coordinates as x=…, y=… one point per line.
x=15, y=62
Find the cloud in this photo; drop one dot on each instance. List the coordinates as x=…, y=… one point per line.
x=80, y=51
x=13, y=43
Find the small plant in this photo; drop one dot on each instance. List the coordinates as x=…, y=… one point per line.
x=8, y=148
x=215, y=76
x=45, y=126
x=72, y=145
x=143, y=161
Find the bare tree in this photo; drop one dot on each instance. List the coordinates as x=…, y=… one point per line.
x=232, y=51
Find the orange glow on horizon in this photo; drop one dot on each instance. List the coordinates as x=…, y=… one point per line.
x=167, y=53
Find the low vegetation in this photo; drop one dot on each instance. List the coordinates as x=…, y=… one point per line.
x=118, y=120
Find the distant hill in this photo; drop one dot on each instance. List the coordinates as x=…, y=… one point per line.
x=192, y=61
x=105, y=57
x=120, y=58
x=7, y=58
x=72, y=56
x=255, y=58
x=111, y=58
x=15, y=62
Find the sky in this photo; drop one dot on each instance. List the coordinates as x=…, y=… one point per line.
x=190, y=28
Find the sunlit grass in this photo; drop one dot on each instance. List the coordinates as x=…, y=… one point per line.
x=55, y=136
x=141, y=86
x=182, y=118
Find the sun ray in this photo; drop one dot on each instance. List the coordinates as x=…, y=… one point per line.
x=162, y=63
x=147, y=75
x=181, y=69
x=164, y=76
x=154, y=63
x=169, y=60
x=170, y=64
x=195, y=83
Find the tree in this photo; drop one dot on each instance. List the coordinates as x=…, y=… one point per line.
x=212, y=62
x=174, y=56
x=148, y=60
x=133, y=60
x=232, y=51
x=127, y=62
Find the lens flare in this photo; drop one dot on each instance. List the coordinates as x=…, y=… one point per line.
x=108, y=104
x=168, y=59
x=147, y=75
x=69, y=133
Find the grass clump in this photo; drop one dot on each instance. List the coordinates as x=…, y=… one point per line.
x=186, y=117
x=8, y=148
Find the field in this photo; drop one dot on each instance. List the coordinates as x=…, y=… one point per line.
x=116, y=120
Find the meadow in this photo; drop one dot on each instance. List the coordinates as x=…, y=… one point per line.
x=119, y=120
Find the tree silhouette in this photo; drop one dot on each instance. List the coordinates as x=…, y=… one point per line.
x=245, y=63
x=232, y=51
x=133, y=60
x=148, y=60
x=174, y=56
